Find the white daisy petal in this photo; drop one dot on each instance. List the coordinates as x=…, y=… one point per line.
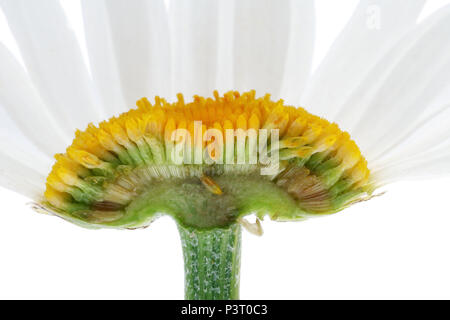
x=53, y=58
x=225, y=71
x=103, y=60
x=299, y=53
x=428, y=137
x=194, y=31
x=137, y=43
x=201, y=46
x=420, y=168
x=374, y=27
x=20, y=178
x=397, y=93
x=16, y=150
x=23, y=104
x=423, y=153
x=273, y=46
x=18, y=146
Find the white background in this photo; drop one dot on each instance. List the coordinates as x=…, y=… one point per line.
x=395, y=246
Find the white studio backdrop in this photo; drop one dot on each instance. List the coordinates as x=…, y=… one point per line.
x=394, y=246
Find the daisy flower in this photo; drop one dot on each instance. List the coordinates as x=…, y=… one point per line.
x=235, y=122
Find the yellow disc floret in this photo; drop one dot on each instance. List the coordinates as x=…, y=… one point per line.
x=109, y=165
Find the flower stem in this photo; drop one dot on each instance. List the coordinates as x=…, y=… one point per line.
x=211, y=262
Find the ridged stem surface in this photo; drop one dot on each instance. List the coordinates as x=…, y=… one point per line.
x=211, y=262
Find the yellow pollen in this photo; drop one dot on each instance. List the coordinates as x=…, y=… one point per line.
x=211, y=185
x=84, y=158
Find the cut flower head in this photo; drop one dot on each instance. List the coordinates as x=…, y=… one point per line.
x=124, y=172
x=376, y=111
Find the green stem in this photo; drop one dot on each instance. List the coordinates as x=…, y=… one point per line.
x=211, y=262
